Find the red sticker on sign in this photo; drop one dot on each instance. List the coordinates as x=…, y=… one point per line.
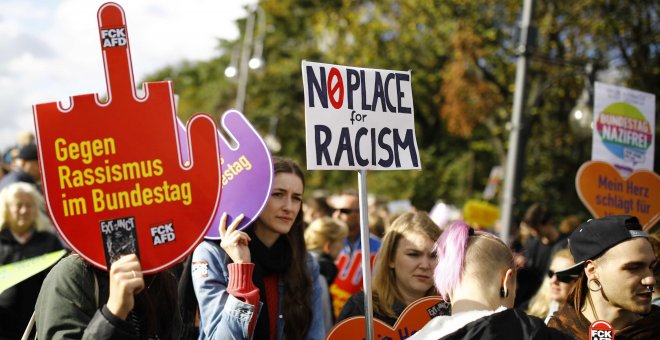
x=114, y=176
x=601, y=330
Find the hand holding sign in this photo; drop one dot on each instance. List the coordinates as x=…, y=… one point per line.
x=126, y=281
x=235, y=242
x=114, y=176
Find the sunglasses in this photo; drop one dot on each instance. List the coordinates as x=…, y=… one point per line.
x=346, y=211
x=562, y=278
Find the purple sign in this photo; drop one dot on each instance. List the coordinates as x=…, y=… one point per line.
x=247, y=171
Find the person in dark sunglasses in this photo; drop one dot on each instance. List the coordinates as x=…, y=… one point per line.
x=346, y=209
x=555, y=288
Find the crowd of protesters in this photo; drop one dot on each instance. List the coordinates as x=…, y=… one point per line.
x=296, y=272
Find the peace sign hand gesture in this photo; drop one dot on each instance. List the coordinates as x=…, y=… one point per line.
x=234, y=242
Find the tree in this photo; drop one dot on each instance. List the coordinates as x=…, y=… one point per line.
x=461, y=55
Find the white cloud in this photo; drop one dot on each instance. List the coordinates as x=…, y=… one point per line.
x=49, y=50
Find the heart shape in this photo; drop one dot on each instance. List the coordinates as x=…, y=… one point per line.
x=411, y=320
x=605, y=192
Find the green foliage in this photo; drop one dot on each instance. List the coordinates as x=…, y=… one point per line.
x=461, y=53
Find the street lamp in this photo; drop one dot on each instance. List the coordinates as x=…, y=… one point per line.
x=232, y=70
x=241, y=61
x=581, y=117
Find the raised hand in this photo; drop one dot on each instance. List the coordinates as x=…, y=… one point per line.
x=126, y=281
x=234, y=242
x=120, y=160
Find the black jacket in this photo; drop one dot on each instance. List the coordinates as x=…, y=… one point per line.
x=17, y=302
x=509, y=324
x=71, y=305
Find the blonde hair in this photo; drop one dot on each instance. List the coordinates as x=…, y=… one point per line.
x=8, y=196
x=385, y=291
x=539, y=305
x=323, y=230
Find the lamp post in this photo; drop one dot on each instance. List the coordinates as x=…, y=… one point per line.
x=241, y=63
x=510, y=179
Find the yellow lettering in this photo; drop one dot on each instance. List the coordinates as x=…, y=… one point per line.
x=185, y=191
x=136, y=197
x=60, y=153
x=245, y=162
x=63, y=173
x=85, y=150
x=97, y=199
x=158, y=167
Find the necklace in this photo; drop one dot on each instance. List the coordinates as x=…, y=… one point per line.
x=593, y=309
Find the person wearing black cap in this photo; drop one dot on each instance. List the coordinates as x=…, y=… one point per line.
x=25, y=168
x=614, y=269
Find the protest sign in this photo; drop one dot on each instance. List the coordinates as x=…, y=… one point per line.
x=247, y=172
x=411, y=320
x=113, y=172
x=605, y=192
x=358, y=118
x=14, y=273
x=480, y=214
x=624, y=128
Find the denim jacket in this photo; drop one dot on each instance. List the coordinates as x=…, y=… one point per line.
x=222, y=316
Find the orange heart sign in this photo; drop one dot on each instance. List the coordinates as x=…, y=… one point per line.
x=114, y=174
x=411, y=320
x=604, y=192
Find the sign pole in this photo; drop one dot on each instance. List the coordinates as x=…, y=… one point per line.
x=366, y=253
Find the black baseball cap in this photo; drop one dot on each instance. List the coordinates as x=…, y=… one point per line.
x=28, y=152
x=594, y=237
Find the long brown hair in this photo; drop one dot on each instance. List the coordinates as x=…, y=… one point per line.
x=297, y=297
x=385, y=291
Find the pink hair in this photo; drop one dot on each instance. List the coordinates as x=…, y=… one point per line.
x=451, y=248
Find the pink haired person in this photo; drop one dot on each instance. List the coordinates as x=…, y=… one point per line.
x=476, y=273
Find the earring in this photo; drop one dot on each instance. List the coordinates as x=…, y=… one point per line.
x=503, y=293
x=595, y=281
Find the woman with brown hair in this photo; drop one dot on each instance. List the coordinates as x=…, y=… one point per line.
x=404, y=268
x=260, y=282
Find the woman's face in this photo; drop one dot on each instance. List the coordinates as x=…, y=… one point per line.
x=413, y=264
x=22, y=213
x=284, y=203
x=559, y=290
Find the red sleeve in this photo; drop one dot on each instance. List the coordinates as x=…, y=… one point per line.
x=240, y=286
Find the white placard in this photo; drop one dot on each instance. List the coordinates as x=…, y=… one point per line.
x=624, y=128
x=358, y=118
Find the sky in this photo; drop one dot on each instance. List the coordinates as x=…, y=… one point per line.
x=50, y=50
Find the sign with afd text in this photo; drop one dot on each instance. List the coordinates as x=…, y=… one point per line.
x=601, y=330
x=114, y=176
x=358, y=118
x=624, y=128
x=411, y=320
x=604, y=192
x=246, y=169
